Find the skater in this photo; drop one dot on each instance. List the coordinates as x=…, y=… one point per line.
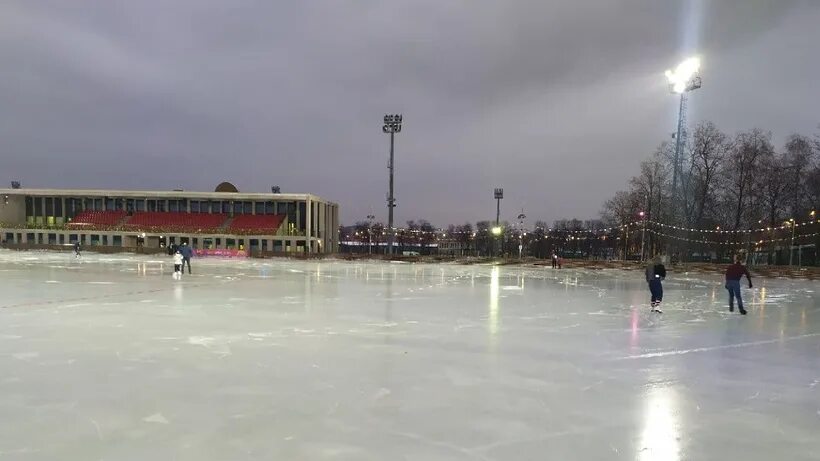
x=559, y=261
x=554, y=260
x=655, y=274
x=177, y=264
x=76, y=249
x=733, y=275
x=187, y=253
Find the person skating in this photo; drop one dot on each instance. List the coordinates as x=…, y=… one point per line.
x=733, y=275
x=655, y=274
x=187, y=253
x=177, y=264
x=554, y=260
x=76, y=249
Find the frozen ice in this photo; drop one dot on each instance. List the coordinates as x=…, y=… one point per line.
x=108, y=357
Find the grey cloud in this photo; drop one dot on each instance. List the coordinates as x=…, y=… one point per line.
x=556, y=101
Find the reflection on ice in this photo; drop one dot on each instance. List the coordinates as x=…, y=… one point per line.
x=492, y=326
x=661, y=433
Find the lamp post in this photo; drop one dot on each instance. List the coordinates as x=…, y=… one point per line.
x=791, y=247
x=498, y=193
x=626, y=243
x=643, y=235
x=392, y=125
x=370, y=219
x=521, y=218
x=683, y=79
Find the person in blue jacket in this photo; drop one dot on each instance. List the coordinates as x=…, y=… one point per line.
x=655, y=274
x=187, y=253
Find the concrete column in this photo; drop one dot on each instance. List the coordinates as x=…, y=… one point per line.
x=298, y=216
x=322, y=234
x=309, y=225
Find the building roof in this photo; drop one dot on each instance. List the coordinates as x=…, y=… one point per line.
x=159, y=194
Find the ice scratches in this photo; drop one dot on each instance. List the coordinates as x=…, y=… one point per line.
x=219, y=346
x=540, y=438
x=26, y=356
x=155, y=418
x=266, y=334
x=589, y=387
x=382, y=325
x=19, y=451
x=716, y=348
x=468, y=453
x=381, y=393
x=97, y=428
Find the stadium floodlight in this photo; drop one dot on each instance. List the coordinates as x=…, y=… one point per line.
x=496, y=230
x=392, y=125
x=685, y=76
x=498, y=194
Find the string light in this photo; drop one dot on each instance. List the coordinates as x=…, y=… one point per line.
x=716, y=242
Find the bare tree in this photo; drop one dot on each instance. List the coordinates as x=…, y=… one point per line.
x=799, y=161
x=621, y=209
x=484, y=239
x=740, y=173
x=774, y=187
x=427, y=233
x=708, y=151
x=464, y=235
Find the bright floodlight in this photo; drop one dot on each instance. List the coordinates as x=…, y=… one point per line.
x=496, y=230
x=681, y=78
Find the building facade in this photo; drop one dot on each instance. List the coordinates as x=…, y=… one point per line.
x=254, y=222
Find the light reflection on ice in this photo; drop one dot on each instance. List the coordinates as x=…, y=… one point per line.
x=492, y=326
x=660, y=440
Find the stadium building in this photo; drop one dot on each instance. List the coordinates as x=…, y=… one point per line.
x=257, y=223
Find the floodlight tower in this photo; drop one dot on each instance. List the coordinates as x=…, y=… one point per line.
x=392, y=125
x=521, y=233
x=498, y=194
x=683, y=79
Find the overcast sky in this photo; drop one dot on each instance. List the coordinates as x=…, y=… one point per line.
x=557, y=101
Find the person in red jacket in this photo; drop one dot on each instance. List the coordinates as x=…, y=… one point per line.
x=733, y=275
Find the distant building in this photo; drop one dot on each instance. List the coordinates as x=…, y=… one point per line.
x=262, y=222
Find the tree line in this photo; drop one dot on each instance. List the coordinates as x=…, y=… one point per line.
x=730, y=182
x=734, y=182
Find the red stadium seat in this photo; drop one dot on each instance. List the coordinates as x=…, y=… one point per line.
x=96, y=220
x=176, y=222
x=256, y=224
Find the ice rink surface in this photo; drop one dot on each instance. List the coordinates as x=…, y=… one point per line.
x=109, y=358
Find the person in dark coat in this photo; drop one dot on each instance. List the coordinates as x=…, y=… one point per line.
x=733, y=275
x=76, y=249
x=187, y=254
x=655, y=274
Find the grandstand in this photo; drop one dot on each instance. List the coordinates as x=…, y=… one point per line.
x=155, y=221
x=97, y=220
x=246, y=224
x=258, y=222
